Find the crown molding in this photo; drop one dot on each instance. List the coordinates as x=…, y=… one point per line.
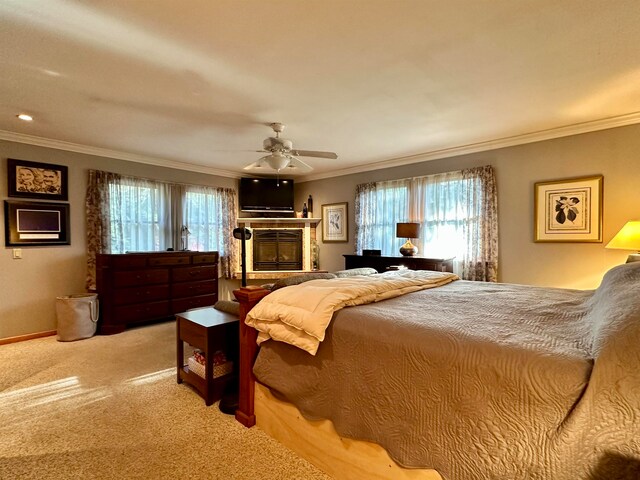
x=105, y=152
x=539, y=136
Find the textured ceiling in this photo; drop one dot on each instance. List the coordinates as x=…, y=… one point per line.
x=194, y=84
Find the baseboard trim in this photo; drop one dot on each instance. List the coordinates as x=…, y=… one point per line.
x=29, y=336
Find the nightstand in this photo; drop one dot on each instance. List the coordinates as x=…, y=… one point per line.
x=209, y=330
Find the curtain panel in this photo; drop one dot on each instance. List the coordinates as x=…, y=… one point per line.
x=365, y=216
x=97, y=209
x=480, y=260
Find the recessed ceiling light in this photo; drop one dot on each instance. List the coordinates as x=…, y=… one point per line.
x=25, y=117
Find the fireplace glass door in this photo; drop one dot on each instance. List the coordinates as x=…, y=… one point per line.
x=277, y=250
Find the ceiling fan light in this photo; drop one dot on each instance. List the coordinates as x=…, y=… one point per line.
x=277, y=161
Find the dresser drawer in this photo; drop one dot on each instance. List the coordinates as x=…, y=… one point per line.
x=169, y=260
x=192, y=289
x=191, y=274
x=132, y=278
x=128, y=261
x=145, y=311
x=125, y=296
x=184, y=304
x=205, y=258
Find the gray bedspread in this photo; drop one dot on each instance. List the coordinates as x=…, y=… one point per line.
x=482, y=381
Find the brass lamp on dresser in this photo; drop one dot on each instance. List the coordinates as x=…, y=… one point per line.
x=140, y=287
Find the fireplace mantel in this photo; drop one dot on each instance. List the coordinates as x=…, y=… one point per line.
x=308, y=227
x=247, y=221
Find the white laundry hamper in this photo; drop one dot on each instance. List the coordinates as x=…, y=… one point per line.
x=77, y=316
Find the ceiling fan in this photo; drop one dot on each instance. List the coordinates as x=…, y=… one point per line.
x=282, y=155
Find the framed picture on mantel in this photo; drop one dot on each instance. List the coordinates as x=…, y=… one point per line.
x=335, y=222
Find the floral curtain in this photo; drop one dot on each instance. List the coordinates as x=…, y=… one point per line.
x=365, y=215
x=480, y=259
x=97, y=208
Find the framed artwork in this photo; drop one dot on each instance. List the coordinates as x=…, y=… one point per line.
x=43, y=181
x=335, y=222
x=36, y=223
x=569, y=210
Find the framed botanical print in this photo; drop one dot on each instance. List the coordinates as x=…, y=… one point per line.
x=36, y=223
x=335, y=222
x=569, y=210
x=42, y=181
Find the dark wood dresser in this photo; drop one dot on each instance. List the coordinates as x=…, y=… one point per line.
x=382, y=264
x=139, y=287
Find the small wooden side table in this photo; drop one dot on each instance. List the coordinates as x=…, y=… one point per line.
x=209, y=330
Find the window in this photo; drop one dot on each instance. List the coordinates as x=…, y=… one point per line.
x=379, y=207
x=203, y=211
x=139, y=219
x=127, y=214
x=457, y=212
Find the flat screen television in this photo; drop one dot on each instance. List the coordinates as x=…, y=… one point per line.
x=266, y=195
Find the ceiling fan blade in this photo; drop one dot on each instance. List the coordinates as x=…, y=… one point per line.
x=238, y=151
x=311, y=153
x=298, y=165
x=257, y=164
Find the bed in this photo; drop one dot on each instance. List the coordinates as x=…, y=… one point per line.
x=468, y=380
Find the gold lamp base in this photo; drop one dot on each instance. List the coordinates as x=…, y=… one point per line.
x=408, y=249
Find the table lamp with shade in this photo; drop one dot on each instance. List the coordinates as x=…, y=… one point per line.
x=408, y=231
x=628, y=238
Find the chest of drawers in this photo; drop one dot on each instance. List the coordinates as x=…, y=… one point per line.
x=140, y=287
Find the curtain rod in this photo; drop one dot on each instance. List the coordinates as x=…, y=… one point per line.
x=161, y=181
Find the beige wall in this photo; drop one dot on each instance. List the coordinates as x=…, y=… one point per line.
x=28, y=287
x=614, y=153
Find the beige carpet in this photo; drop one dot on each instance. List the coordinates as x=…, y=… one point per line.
x=109, y=407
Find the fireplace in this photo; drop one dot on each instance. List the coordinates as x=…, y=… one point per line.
x=278, y=249
x=285, y=251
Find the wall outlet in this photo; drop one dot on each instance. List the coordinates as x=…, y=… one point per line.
x=17, y=253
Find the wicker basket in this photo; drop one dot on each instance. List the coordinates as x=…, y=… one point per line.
x=218, y=370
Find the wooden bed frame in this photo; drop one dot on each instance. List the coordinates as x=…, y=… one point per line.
x=317, y=442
